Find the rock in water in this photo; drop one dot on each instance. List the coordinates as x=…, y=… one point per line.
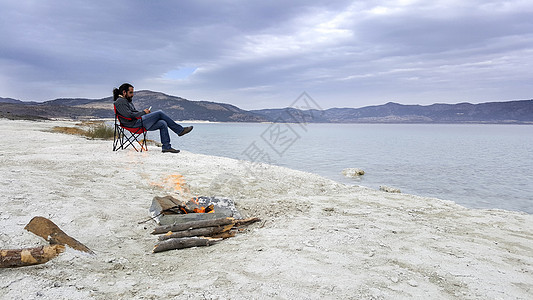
x=353, y=172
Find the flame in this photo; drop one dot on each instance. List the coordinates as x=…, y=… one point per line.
x=199, y=210
x=195, y=200
x=177, y=183
x=174, y=182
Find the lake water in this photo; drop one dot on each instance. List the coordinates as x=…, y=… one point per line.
x=478, y=166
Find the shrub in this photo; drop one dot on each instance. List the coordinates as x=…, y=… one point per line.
x=100, y=131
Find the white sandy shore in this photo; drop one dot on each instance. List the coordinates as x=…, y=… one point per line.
x=321, y=239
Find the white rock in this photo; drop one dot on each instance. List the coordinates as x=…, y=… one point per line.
x=389, y=189
x=352, y=172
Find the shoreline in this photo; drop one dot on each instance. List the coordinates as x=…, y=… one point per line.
x=318, y=239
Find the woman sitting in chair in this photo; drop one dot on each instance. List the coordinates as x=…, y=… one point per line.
x=149, y=120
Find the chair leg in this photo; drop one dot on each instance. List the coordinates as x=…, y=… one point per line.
x=122, y=139
x=119, y=139
x=143, y=144
x=116, y=138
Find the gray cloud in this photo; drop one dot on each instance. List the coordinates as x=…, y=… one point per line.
x=258, y=54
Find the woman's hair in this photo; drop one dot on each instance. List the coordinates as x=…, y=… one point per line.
x=123, y=88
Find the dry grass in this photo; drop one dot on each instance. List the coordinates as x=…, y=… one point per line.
x=94, y=130
x=68, y=130
x=88, y=129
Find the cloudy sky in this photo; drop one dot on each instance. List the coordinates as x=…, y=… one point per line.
x=264, y=54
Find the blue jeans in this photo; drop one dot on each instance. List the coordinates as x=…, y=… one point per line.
x=159, y=120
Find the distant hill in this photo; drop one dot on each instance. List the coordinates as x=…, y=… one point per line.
x=510, y=112
x=10, y=100
x=492, y=112
x=176, y=107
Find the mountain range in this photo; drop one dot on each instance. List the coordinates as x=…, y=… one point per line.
x=512, y=112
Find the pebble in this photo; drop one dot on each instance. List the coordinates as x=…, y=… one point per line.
x=394, y=279
x=412, y=283
x=308, y=244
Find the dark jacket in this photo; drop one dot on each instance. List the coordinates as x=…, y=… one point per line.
x=126, y=109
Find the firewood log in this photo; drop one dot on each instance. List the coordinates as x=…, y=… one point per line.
x=193, y=225
x=181, y=243
x=49, y=231
x=205, y=231
x=243, y=222
x=225, y=235
x=29, y=256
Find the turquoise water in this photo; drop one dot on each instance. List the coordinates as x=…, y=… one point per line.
x=478, y=166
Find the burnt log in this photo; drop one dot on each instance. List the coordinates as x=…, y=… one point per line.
x=205, y=231
x=29, y=256
x=181, y=243
x=193, y=225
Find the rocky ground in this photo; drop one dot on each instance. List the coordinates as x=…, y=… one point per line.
x=318, y=239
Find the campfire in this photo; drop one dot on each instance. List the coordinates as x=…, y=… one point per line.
x=192, y=206
x=191, y=221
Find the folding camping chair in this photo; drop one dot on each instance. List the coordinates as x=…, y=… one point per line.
x=127, y=136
